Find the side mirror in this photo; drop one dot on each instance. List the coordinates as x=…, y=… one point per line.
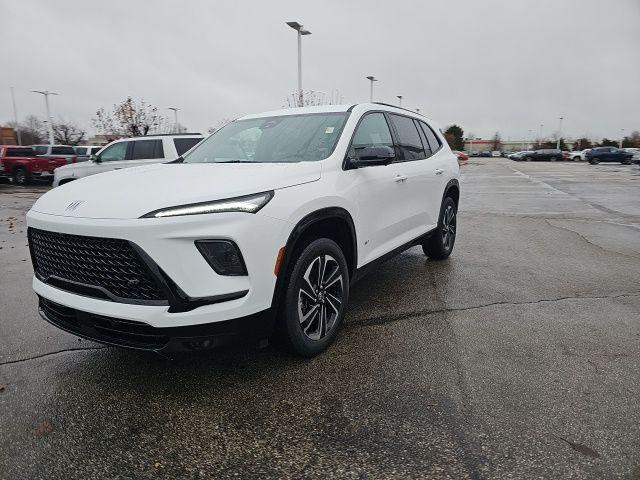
x=370, y=156
x=95, y=158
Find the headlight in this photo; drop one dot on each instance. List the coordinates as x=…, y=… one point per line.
x=246, y=204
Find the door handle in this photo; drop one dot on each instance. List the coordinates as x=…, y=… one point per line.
x=439, y=171
x=400, y=178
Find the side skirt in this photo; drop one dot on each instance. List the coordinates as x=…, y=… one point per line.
x=373, y=264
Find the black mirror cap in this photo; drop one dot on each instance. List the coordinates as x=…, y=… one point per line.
x=370, y=156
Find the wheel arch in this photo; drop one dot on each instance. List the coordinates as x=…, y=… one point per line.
x=334, y=223
x=452, y=189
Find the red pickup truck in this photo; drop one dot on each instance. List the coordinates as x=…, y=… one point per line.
x=21, y=164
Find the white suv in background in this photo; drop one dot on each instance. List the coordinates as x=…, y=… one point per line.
x=129, y=152
x=259, y=230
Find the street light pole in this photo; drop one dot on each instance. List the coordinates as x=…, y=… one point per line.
x=176, y=125
x=15, y=117
x=559, y=134
x=301, y=31
x=622, y=137
x=46, y=94
x=399, y=100
x=530, y=138
x=540, y=135
x=371, y=79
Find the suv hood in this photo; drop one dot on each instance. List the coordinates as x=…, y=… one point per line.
x=133, y=192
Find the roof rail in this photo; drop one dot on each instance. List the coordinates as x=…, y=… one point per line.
x=395, y=106
x=169, y=134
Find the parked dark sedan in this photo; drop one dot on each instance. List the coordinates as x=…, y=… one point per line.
x=545, y=154
x=608, y=154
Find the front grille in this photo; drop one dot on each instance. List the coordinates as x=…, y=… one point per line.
x=107, y=268
x=125, y=333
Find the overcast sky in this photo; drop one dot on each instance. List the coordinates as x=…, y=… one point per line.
x=486, y=65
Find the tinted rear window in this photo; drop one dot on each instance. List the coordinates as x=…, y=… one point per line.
x=40, y=149
x=20, y=152
x=80, y=150
x=62, y=151
x=184, y=144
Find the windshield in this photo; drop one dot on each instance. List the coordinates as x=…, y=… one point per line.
x=283, y=139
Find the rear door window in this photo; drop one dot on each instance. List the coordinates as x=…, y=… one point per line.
x=147, y=149
x=40, y=149
x=408, y=137
x=185, y=144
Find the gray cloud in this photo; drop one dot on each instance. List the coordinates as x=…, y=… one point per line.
x=487, y=65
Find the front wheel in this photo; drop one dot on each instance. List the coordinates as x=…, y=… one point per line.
x=316, y=298
x=440, y=244
x=527, y=159
x=594, y=161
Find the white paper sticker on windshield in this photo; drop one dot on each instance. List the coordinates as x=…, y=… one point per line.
x=329, y=130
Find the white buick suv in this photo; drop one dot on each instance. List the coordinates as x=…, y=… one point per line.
x=258, y=231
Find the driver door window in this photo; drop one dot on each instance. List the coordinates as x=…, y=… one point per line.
x=373, y=131
x=115, y=153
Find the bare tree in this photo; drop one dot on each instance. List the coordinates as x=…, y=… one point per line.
x=67, y=133
x=306, y=98
x=129, y=119
x=496, y=141
x=32, y=130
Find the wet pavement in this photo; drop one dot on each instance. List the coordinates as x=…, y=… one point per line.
x=519, y=357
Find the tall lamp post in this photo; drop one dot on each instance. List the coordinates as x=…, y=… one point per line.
x=621, y=138
x=540, y=135
x=46, y=94
x=399, y=97
x=176, y=125
x=301, y=31
x=559, y=134
x=371, y=79
x=15, y=117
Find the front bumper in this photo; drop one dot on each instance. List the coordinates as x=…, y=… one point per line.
x=140, y=336
x=169, y=243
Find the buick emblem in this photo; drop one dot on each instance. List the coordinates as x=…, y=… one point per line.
x=73, y=205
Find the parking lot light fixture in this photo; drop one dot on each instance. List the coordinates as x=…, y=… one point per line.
x=621, y=137
x=559, y=134
x=371, y=79
x=301, y=31
x=399, y=97
x=46, y=94
x=176, y=125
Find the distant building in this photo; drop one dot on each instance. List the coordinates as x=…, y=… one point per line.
x=8, y=136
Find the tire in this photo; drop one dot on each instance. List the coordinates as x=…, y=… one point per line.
x=21, y=176
x=594, y=161
x=552, y=159
x=312, y=313
x=626, y=162
x=440, y=244
x=527, y=159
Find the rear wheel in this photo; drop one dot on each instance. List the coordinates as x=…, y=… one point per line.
x=527, y=159
x=440, y=244
x=594, y=161
x=20, y=176
x=626, y=162
x=316, y=297
x=552, y=159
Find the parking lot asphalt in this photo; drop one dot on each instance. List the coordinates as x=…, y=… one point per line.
x=519, y=357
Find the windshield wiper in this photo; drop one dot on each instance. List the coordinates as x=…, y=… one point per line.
x=177, y=160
